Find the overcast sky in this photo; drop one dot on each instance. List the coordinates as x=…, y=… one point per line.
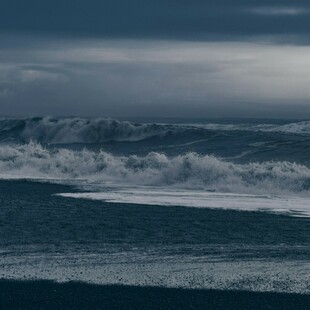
x=160, y=58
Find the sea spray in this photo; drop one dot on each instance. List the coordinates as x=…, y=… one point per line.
x=189, y=170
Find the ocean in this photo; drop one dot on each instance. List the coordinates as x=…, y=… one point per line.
x=189, y=204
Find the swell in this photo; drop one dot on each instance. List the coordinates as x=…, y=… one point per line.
x=191, y=170
x=49, y=130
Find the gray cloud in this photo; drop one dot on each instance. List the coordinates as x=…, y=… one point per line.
x=151, y=77
x=163, y=57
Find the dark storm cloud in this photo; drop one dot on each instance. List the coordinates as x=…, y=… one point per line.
x=191, y=19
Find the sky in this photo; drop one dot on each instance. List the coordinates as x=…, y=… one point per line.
x=155, y=58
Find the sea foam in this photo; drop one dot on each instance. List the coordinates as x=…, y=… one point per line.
x=190, y=170
x=293, y=206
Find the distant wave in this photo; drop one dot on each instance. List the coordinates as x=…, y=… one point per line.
x=191, y=170
x=294, y=128
x=48, y=130
x=291, y=128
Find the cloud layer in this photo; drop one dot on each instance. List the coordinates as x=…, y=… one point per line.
x=154, y=78
x=155, y=58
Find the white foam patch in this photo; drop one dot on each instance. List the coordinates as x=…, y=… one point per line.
x=294, y=206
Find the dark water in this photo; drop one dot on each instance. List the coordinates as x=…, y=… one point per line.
x=47, y=295
x=31, y=214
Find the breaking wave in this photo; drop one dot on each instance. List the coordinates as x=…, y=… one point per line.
x=191, y=170
x=48, y=130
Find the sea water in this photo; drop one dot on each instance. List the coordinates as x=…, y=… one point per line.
x=175, y=203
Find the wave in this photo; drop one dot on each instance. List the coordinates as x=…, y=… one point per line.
x=48, y=130
x=291, y=128
x=294, y=128
x=191, y=170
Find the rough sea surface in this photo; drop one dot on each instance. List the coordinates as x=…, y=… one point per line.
x=208, y=204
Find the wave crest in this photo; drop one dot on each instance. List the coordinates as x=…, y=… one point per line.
x=49, y=130
x=188, y=171
x=294, y=128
